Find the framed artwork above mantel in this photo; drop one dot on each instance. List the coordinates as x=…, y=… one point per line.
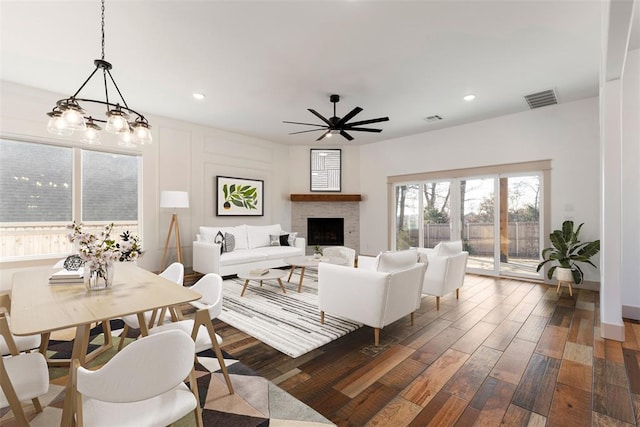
x=326, y=169
x=239, y=196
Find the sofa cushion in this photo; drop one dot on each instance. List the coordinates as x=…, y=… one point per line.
x=258, y=235
x=284, y=240
x=391, y=261
x=274, y=240
x=239, y=233
x=243, y=256
x=229, y=242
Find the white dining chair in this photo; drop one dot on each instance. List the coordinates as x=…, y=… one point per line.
x=23, y=377
x=200, y=326
x=142, y=385
x=21, y=343
x=175, y=273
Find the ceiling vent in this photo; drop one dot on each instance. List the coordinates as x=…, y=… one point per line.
x=541, y=99
x=434, y=118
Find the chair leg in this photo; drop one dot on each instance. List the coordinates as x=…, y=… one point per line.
x=123, y=335
x=202, y=318
x=376, y=336
x=412, y=313
x=322, y=317
x=458, y=293
x=437, y=303
x=193, y=385
x=36, y=404
x=10, y=394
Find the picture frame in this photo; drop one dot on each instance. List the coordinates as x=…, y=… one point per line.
x=239, y=196
x=326, y=170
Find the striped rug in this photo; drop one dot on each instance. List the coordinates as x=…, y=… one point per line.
x=287, y=322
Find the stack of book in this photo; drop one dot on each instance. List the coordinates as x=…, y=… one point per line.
x=66, y=277
x=259, y=272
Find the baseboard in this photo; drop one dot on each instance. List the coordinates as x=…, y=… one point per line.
x=612, y=331
x=630, y=312
x=589, y=285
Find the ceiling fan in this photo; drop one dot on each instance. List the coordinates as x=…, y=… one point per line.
x=339, y=125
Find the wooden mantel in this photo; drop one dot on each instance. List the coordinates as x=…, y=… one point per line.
x=326, y=197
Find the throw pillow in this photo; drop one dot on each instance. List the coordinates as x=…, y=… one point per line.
x=423, y=258
x=229, y=242
x=219, y=239
x=274, y=240
x=292, y=238
x=284, y=240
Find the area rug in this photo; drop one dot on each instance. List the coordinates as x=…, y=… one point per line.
x=256, y=402
x=289, y=322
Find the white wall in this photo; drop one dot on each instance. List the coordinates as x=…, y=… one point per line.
x=565, y=133
x=631, y=186
x=183, y=156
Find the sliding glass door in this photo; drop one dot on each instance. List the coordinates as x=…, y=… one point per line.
x=496, y=216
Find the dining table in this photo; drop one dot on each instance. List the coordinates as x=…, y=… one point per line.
x=38, y=307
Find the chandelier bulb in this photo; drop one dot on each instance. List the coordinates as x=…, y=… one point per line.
x=57, y=125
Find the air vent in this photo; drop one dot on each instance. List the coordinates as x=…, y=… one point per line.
x=434, y=118
x=541, y=99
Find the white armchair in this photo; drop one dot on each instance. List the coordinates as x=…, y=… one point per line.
x=446, y=265
x=341, y=252
x=375, y=297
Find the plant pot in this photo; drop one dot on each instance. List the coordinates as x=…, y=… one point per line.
x=564, y=274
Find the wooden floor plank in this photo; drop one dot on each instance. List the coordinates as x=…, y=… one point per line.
x=513, y=362
x=470, y=377
x=533, y=328
x=425, y=387
x=496, y=406
x=570, y=407
x=397, y=412
x=443, y=410
x=470, y=341
x=365, y=406
x=356, y=382
x=501, y=337
x=516, y=416
x=552, y=341
x=576, y=374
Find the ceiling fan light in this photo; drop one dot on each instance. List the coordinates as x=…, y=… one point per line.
x=117, y=121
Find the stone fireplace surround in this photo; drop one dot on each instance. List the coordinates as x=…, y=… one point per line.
x=327, y=206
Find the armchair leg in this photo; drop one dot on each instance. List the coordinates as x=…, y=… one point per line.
x=412, y=313
x=376, y=336
x=458, y=293
x=437, y=303
x=322, y=317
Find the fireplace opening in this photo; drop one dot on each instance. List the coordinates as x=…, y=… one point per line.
x=325, y=231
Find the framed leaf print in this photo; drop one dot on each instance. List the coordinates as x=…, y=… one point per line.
x=239, y=196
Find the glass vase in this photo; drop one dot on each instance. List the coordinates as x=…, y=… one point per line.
x=98, y=275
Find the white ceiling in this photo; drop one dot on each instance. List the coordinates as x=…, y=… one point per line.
x=262, y=62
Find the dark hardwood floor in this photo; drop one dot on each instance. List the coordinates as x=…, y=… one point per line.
x=508, y=351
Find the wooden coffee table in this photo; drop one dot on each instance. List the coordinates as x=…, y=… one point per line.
x=273, y=274
x=305, y=262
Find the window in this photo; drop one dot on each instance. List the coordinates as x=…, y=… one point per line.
x=497, y=212
x=45, y=187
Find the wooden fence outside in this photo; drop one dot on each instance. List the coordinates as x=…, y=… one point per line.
x=478, y=238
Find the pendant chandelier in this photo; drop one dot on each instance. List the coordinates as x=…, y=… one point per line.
x=68, y=116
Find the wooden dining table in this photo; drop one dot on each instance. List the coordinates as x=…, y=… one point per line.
x=40, y=308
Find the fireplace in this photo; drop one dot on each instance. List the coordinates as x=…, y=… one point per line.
x=325, y=231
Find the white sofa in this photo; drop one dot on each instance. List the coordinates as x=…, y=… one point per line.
x=446, y=265
x=253, y=249
x=377, y=293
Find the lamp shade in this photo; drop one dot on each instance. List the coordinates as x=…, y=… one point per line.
x=174, y=199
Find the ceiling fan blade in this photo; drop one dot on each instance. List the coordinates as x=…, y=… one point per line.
x=318, y=115
x=365, y=130
x=349, y=116
x=365, y=122
x=346, y=135
x=300, y=123
x=323, y=135
x=310, y=130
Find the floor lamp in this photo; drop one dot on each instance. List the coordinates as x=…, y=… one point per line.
x=175, y=200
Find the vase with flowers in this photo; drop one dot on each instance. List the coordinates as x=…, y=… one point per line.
x=101, y=251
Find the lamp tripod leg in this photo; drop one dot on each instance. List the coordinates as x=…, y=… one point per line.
x=166, y=244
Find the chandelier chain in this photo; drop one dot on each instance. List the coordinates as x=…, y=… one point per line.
x=102, y=16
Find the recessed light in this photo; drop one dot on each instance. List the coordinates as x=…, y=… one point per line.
x=198, y=96
x=469, y=97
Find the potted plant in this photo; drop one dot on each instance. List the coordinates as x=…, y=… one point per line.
x=567, y=251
